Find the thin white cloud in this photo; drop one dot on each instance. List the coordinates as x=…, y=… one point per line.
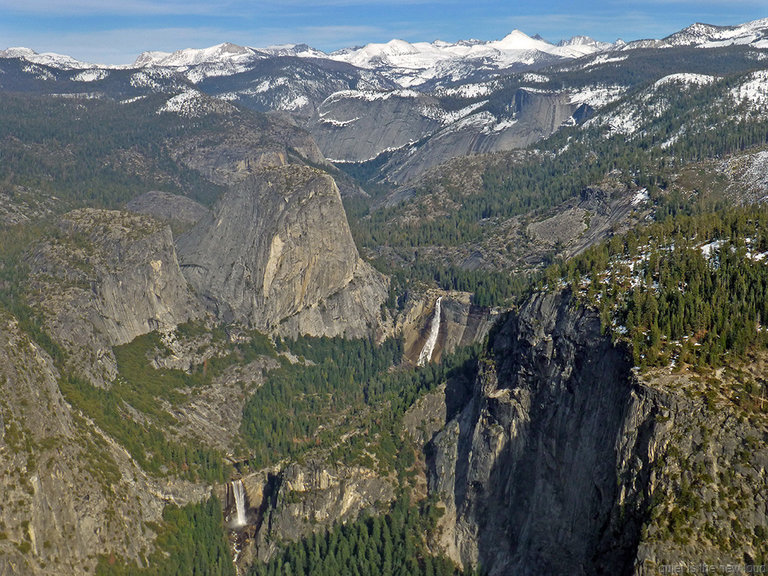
x=321, y=37
x=100, y=8
x=192, y=7
x=363, y=3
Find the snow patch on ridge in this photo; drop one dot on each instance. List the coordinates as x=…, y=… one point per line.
x=190, y=104
x=446, y=118
x=38, y=72
x=370, y=96
x=483, y=120
x=467, y=91
x=91, y=75
x=754, y=90
x=598, y=96
x=757, y=173
x=271, y=84
x=150, y=78
x=605, y=59
x=295, y=103
x=621, y=121
x=685, y=78
x=385, y=151
x=535, y=78
x=338, y=123
x=500, y=126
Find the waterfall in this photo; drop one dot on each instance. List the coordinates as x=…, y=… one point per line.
x=434, y=330
x=238, y=491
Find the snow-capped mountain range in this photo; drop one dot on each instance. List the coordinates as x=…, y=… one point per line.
x=411, y=106
x=412, y=64
x=415, y=64
x=407, y=64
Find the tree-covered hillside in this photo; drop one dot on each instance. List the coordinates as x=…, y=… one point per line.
x=100, y=153
x=484, y=205
x=690, y=289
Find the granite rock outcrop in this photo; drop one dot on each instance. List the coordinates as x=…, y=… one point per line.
x=276, y=253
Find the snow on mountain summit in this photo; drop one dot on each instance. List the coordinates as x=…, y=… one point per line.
x=299, y=50
x=46, y=59
x=402, y=63
x=221, y=53
x=753, y=33
x=578, y=41
x=201, y=63
x=391, y=52
x=18, y=52
x=574, y=48
x=151, y=58
x=517, y=40
x=584, y=45
x=414, y=63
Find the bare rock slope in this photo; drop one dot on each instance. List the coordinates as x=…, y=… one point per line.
x=70, y=493
x=276, y=252
x=105, y=278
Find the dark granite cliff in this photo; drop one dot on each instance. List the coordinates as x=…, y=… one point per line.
x=562, y=460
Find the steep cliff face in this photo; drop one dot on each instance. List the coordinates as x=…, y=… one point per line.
x=104, y=278
x=358, y=126
x=290, y=503
x=528, y=470
x=70, y=493
x=540, y=114
x=530, y=117
x=419, y=134
x=460, y=323
x=563, y=460
x=277, y=252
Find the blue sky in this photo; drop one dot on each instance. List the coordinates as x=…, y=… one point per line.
x=109, y=32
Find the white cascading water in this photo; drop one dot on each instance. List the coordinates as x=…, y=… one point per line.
x=434, y=330
x=238, y=490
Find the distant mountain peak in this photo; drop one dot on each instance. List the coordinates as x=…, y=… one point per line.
x=17, y=52
x=220, y=53
x=149, y=58
x=519, y=40
x=397, y=62
x=47, y=58
x=578, y=41
x=753, y=33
